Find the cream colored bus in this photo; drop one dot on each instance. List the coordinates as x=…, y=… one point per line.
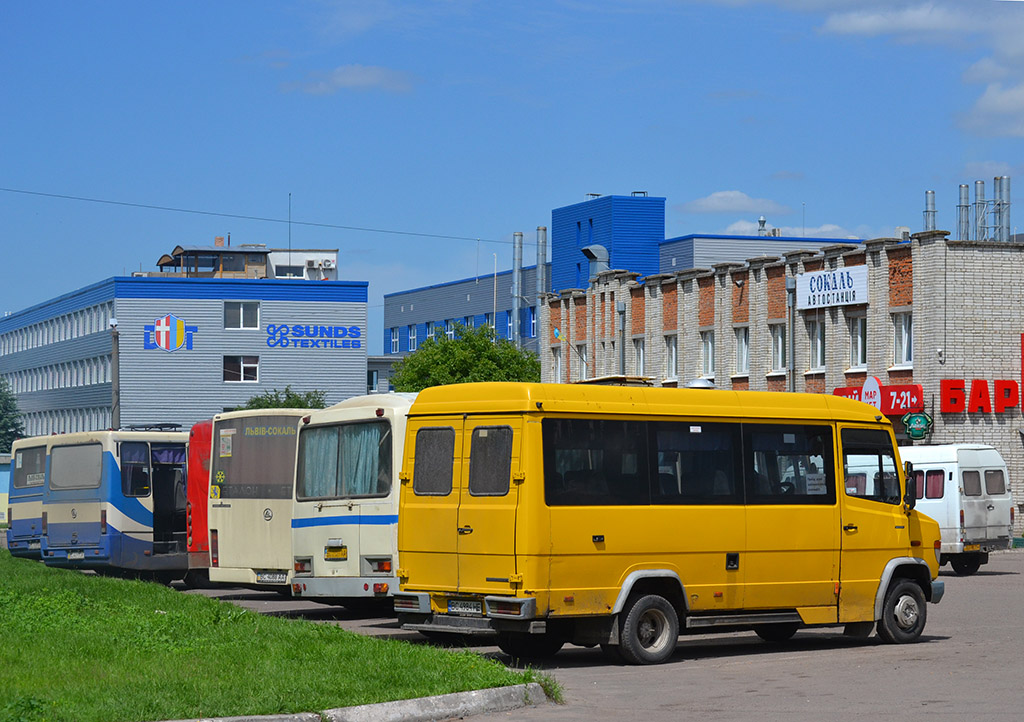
x=623, y=516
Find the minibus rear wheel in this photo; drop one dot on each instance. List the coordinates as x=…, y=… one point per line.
x=966, y=564
x=903, y=613
x=649, y=630
x=776, y=633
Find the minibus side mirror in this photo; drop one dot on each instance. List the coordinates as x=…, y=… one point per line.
x=910, y=498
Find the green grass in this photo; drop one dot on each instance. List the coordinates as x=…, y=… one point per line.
x=78, y=647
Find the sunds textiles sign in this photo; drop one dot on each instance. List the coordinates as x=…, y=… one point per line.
x=308, y=336
x=825, y=289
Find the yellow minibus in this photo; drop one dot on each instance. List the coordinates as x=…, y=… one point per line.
x=624, y=516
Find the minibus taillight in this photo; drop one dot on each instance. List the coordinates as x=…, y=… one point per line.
x=380, y=588
x=961, y=525
x=44, y=524
x=1011, y=515
x=103, y=521
x=214, y=549
x=508, y=609
x=10, y=514
x=381, y=565
x=303, y=566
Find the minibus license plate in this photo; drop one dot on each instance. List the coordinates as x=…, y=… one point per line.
x=335, y=554
x=76, y=555
x=972, y=547
x=271, y=577
x=464, y=606
x=33, y=545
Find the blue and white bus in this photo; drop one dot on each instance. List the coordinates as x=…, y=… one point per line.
x=25, y=503
x=114, y=501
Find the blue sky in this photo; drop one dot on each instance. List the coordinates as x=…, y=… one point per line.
x=456, y=120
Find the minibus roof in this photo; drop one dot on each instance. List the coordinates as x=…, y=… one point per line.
x=508, y=397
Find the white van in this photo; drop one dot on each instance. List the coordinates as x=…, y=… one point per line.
x=965, y=487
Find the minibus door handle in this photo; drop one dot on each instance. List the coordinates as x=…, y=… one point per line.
x=465, y=529
x=850, y=527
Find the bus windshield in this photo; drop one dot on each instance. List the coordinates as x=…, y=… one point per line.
x=76, y=467
x=345, y=460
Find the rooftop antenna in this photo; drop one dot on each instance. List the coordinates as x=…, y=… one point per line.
x=289, y=232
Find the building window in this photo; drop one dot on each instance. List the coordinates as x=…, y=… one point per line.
x=468, y=322
x=289, y=271
x=858, y=342
x=816, y=336
x=638, y=353
x=707, y=348
x=533, y=322
x=241, y=368
x=412, y=337
x=581, y=353
x=371, y=381
x=394, y=340
x=742, y=350
x=242, y=314
x=778, y=360
x=449, y=329
x=489, y=320
x=509, y=335
x=903, y=324
x=431, y=329
x=671, y=357
x=556, y=364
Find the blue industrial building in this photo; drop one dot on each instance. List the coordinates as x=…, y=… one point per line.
x=601, y=233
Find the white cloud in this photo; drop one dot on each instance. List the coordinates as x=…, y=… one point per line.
x=998, y=112
x=983, y=170
x=985, y=70
x=354, y=77
x=733, y=202
x=826, y=230
x=927, y=18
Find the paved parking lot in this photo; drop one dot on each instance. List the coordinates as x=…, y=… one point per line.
x=969, y=664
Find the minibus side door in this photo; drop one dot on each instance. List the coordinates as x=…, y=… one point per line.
x=488, y=500
x=428, y=516
x=874, y=525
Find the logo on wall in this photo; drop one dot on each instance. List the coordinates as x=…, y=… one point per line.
x=300, y=335
x=169, y=333
x=918, y=425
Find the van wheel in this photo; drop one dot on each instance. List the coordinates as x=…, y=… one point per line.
x=903, y=613
x=650, y=630
x=966, y=564
x=523, y=647
x=776, y=633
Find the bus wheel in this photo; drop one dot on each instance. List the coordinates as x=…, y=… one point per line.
x=903, y=613
x=529, y=646
x=775, y=633
x=966, y=564
x=650, y=630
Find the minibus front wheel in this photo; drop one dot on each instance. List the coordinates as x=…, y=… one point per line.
x=649, y=630
x=903, y=613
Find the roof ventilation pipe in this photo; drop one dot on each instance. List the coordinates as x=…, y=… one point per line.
x=980, y=212
x=598, y=257
x=542, y=261
x=997, y=208
x=517, y=273
x=929, y=210
x=1007, y=233
x=963, y=214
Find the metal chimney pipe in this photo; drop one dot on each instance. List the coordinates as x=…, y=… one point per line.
x=542, y=261
x=963, y=214
x=997, y=208
x=1007, y=227
x=929, y=210
x=517, y=273
x=980, y=212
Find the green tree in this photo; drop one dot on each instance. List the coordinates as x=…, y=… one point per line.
x=287, y=399
x=473, y=355
x=11, y=427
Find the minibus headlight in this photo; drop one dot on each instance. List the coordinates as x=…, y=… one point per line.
x=938, y=552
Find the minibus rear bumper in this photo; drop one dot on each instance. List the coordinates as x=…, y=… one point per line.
x=496, y=614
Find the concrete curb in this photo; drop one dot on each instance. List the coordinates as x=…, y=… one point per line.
x=422, y=709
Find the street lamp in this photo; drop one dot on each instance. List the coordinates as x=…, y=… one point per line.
x=115, y=382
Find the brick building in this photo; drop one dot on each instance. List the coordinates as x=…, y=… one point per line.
x=931, y=325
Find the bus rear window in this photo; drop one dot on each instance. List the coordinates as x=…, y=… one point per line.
x=344, y=460
x=76, y=467
x=29, y=467
x=435, y=458
x=254, y=456
x=995, y=482
x=490, y=461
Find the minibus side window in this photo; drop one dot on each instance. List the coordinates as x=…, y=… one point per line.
x=29, y=468
x=789, y=464
x=869, y=466
x=934, y=484
x=434, y=462
x=919, y=483
x=490, y=461
x=135, y=468
x=696, y=463
x=994, y=481
x=598, y=462
x=972, y=483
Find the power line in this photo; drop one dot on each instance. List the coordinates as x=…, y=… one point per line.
x=311, y=224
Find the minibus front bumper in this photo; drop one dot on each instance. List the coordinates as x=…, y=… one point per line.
x=938, y=589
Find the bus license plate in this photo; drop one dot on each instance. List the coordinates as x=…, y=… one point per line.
x=34, y=544
x=271, y=577
x=972, y=547
x=335, y=554
x=464, y=606
x=72, y=556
